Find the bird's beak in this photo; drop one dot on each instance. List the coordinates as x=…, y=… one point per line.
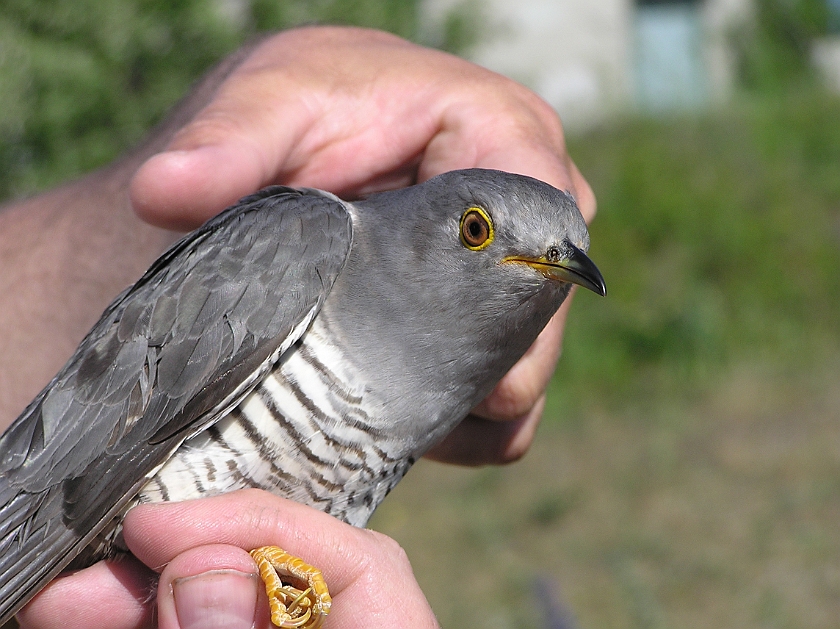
x=575, y=267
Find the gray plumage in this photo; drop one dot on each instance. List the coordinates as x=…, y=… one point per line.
x=296, y=342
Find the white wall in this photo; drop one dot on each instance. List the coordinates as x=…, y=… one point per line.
x=574, y=53
x=579, y=54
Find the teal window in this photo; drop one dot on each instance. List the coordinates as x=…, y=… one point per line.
x=670, y=72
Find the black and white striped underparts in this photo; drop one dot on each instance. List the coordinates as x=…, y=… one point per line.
x=303, y=433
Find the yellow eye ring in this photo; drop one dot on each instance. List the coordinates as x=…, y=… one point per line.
x=476, y=229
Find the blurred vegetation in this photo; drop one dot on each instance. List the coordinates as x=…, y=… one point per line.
x=719, y=234
x=719, y=237
x=775, y=51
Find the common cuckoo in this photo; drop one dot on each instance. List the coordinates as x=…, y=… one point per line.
x=297, y=343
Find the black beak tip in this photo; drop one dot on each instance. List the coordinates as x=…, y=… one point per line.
x=600, y=288
x=587, y=273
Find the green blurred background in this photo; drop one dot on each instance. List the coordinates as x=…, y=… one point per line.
x=687, y=473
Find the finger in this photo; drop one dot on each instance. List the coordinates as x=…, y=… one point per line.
x=478, y=441
x=306, y=108
x=211, y=586
x=180, y=189
x=246, y=519
x=352, y=111
x=230, y=149
x=583, y=193
x=368, y=574
x=493, y=122
x=117, y=594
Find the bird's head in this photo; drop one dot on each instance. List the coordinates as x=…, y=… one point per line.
x=456, y=277
x=512, y=221
x=482, y=243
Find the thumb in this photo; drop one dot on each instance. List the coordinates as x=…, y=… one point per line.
x=211, y=586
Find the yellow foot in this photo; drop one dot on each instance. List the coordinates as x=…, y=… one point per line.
x=297, y=592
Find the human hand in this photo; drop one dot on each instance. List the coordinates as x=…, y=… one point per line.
x=353, y=111
x=356, y=111
x=207, y=579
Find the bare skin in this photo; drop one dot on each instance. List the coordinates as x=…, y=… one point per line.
x=200, y=559
x=348, y=110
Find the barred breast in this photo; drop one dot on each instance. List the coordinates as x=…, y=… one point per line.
x=304, y=433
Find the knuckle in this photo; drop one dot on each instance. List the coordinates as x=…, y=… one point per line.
x=530, y=114
x=210, y=126
x=387, y=550
x=387, y=544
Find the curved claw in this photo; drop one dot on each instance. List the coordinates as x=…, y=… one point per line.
x=292, y=605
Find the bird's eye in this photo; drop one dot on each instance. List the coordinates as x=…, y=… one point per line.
x=554, y=253
x=559, y=252
x=476, y=229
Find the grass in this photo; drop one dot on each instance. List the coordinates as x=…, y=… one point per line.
x=686, y=474
x=717, y=514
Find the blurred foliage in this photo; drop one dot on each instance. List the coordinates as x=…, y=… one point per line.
x=460, y=28
x=775, y=50
x=719, y=235
x=83, y=80
x=399, y=17
x=719, y=239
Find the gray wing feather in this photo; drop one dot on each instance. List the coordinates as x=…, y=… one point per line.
x=169, y=356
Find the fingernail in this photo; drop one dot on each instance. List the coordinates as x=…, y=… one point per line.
x=218, y=598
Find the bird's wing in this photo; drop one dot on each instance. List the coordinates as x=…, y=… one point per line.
x=170, y=356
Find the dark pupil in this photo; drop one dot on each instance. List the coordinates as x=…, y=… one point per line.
x=475, y=228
